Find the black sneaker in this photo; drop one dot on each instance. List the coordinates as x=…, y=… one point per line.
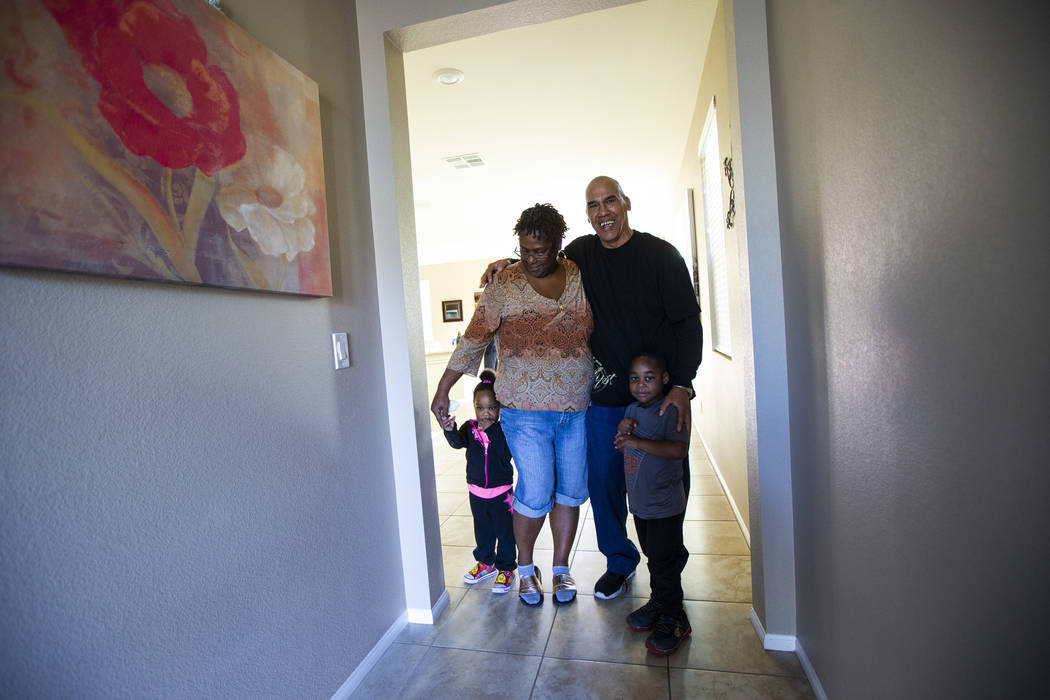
x=668, y=635
x=611, y=585
x=645, y=617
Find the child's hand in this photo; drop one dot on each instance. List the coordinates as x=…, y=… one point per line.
x=622, y=440
x=449, y=423
x=627, y=426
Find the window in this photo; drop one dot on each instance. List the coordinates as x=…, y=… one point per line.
x=715, y=235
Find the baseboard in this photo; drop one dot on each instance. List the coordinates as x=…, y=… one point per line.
x=371, y=659
x=427, y=617
x=811, y=673
x=725, y=489
x=788, y=642
x=772, y=642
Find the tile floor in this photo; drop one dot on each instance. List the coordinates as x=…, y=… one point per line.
x=489, y=645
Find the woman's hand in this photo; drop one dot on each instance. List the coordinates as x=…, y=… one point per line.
x=439, y=407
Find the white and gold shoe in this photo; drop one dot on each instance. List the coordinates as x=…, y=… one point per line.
x=531, y=585
x=564, y=588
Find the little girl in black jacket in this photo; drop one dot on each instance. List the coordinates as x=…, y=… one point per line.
x=490, y=477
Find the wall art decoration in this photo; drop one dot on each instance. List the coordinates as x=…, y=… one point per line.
x=452, y=310
x=155, y=139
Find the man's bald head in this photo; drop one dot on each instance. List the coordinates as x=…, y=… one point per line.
x=606, y=180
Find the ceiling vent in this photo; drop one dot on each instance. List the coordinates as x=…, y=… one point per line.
x=467, y=160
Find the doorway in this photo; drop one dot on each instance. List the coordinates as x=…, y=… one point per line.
x=772, y=505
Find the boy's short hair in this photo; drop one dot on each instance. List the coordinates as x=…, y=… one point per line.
x=656, y=357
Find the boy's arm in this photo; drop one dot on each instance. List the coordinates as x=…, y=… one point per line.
x=668, y=449
x=674, y=442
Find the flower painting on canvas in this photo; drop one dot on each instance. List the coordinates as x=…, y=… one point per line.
x=155, y=139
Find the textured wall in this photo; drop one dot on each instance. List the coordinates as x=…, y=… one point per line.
x=911, y=146
x=193, y=503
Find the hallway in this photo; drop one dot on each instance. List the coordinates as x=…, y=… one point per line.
x=488, y=645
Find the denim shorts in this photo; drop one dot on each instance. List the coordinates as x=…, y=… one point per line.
x=550, y=451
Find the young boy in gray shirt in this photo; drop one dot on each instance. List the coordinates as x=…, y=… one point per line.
x=654, y=457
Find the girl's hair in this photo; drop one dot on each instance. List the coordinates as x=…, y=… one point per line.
x=543, y=222
x=487, y=377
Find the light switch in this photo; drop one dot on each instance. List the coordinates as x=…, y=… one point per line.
x=341, y=350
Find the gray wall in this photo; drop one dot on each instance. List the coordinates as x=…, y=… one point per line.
x=192, y=502
x=911, y=153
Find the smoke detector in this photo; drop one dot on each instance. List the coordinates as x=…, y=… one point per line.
x=448, y=76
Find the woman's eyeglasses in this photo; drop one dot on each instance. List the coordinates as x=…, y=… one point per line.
x=540, y=256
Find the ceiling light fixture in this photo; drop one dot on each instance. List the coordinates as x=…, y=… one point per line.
x=448, y=76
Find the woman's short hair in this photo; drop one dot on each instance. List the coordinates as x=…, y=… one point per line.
x=543, y=222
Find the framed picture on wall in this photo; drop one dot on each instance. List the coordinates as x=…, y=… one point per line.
x=157, y=140
x=690, y=206
x=452, y=310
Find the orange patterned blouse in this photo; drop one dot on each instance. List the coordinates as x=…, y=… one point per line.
x=544, y=351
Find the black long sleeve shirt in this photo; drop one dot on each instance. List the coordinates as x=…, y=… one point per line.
x=642, y=299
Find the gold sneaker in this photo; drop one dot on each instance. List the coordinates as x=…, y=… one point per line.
x=531, y=585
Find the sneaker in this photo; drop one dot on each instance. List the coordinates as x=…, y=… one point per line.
x=645, y=617
x=668, y=635
x=611, y=585
x=504, y=582
x=479, y=573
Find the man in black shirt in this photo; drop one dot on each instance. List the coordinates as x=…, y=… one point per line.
x=642, y=299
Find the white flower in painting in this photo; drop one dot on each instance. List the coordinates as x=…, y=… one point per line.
x=266, y=193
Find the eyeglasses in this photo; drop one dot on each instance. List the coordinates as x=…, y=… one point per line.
x=546, y=254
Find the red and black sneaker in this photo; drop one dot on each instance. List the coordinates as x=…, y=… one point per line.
x=644, y=618
x=669, y=634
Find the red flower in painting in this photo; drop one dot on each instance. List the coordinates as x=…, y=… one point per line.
x=158, y=92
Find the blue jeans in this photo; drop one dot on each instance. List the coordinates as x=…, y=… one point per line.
x=550, y=452
x=608, y=489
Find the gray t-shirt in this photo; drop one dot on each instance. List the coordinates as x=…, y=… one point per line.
x=654, y=484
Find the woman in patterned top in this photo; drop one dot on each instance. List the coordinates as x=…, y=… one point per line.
x=538, y=311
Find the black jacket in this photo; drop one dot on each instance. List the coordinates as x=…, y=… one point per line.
x=497, y=469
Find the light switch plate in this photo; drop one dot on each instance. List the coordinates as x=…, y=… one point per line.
x=341, y=350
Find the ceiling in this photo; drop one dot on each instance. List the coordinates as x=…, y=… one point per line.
x=548, y=107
